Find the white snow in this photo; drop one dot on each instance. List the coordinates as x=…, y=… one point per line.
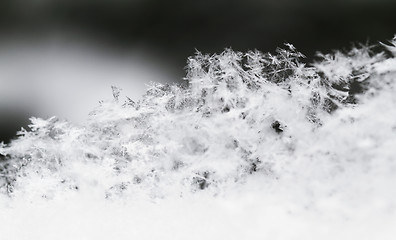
x=245, y=152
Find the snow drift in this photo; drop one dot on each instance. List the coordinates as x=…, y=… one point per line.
x=253, y=144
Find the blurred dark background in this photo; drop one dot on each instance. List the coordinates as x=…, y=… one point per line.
x=167, y=32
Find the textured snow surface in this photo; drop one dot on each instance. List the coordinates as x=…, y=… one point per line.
x=250, y=216
x=257, y=146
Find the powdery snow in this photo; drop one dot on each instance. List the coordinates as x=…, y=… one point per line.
x=257, y=146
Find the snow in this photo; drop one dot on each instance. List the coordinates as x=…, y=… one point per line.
x=273, y=149
x=248, y=215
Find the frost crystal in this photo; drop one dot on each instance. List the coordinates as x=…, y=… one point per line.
x=242, y=115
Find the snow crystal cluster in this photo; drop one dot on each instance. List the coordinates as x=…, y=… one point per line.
x=317, y=131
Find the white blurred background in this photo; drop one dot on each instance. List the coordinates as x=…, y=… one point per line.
x=67, y=79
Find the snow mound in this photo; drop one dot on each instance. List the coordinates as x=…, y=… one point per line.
x=252, y=141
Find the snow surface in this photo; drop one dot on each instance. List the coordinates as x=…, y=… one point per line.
x=257, y=146
x=250, y=215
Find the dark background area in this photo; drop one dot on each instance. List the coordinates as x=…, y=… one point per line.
x=173, y=29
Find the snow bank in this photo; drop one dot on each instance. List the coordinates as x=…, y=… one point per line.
x=255, y=146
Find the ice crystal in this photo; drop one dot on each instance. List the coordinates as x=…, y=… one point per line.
x=241, y=115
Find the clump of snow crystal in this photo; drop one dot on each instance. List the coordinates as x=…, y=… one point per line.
x=286, y=138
